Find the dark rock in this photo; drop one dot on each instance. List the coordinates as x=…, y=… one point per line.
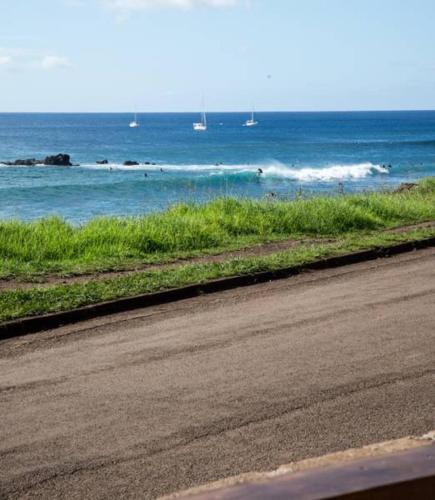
x=102, y=162
x=129, y=163
x=405, y=186
x=27, y=163
x=60, y=160
x=147, y=163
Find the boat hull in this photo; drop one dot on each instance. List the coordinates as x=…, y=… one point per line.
x=199, y=127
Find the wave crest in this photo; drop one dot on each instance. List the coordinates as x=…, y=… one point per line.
x=271, y=170
x=330, y=173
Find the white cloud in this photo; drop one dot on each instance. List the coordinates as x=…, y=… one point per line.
x=5, y=60
x=23, y=59
x=129, y=5
x=53, y=62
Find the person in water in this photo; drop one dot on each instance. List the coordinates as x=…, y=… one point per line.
x=259, y=171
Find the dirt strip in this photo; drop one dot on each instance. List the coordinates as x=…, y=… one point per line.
x=253, y=251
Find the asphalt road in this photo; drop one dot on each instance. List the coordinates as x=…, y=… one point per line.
x=145, y=403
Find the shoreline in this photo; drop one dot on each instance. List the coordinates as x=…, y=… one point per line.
x=52, y=246
x=152, y=187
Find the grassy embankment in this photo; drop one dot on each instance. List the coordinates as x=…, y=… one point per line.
x=355, y=222
x=53, y=246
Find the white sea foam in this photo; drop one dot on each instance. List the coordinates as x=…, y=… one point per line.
x=329, y=173
x=271, y=170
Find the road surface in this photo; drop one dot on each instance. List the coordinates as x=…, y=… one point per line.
x=148, y=402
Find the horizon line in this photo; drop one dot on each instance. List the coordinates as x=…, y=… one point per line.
x=221, y=112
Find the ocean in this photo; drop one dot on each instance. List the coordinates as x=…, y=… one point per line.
x=308, y=153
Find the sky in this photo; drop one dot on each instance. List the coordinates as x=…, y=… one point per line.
x=163, y=55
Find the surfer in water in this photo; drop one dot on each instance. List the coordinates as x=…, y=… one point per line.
x=259, y=171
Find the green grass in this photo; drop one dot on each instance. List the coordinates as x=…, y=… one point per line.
x=20, y=303
x=52, y=246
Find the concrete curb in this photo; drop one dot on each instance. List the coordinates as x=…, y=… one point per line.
x=35, y=324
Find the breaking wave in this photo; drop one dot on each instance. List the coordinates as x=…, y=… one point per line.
x=329, y=173
x=270, y=170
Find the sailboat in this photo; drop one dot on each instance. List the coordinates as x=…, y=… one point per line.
x=251, y=121
x=134, y=123
x=202, y=125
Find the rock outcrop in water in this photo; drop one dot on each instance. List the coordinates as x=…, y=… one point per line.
x=30, y=162
x=129, y=163
x=102, y=162
x=60, y=160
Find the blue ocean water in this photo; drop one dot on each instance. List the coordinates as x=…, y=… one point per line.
x=308, y=151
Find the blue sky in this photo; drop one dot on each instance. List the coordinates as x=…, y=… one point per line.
x=161, y=55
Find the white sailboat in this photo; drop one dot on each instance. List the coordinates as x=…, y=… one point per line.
x=202, y=125
x=134, y=123
x=251, y=121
